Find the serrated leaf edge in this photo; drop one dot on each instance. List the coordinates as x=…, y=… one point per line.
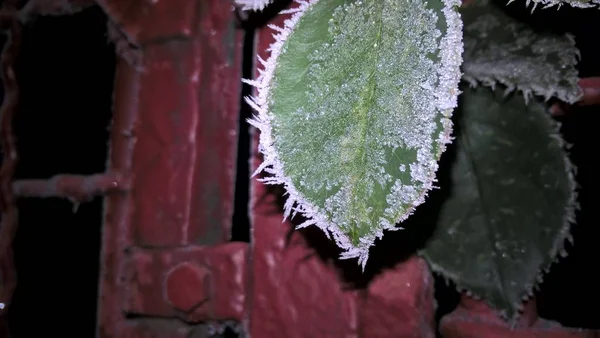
x=528, y=91
x=559, y=3
x=446, y=95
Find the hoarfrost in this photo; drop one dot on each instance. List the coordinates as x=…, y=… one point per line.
x=253, y=5
x=559, y=3
x=406, y=104
x=500, y=49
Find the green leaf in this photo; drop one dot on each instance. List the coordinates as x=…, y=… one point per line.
x=353, y=108
x=512, y=198
x=501, y=49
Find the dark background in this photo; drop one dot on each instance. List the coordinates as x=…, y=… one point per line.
x=66, y=74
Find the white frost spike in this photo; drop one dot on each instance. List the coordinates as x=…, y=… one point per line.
x=502, y=50
x=253, y=5
x=445, y=89
x=559, y=3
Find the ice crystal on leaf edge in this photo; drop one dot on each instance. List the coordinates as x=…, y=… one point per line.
x=551, y=3
x=446, y=95
x=253, y=5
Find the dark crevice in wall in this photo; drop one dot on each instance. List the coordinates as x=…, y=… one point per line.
x=240, y=228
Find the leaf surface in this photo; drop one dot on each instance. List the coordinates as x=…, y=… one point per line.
x=512, y=198
x=353, y=108
x=500, y=49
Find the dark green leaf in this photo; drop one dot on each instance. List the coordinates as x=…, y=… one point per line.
x=501, y=50
x=511, y=199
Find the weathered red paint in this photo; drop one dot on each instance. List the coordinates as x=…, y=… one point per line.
x=145, y=21
x=170, y=175
x=166, y=147
x=187, y=286
x=294, y=293
x=117, y=208
x=400, y=303
x=126, y=15
x=186, y=127
x=167, y=265
x=192, y=283
x=175, y=134
x=475, y=319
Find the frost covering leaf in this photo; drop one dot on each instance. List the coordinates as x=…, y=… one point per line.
x=353, y=108
x=512, y=198
x=500, y=49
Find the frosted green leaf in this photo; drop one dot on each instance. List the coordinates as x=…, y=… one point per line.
x=512, y=198
x=500, y=49
x=559, y=3
x=353, y=108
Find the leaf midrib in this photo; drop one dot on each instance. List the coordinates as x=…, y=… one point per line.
x=466, y=145
x=355, y=231
x=365, y=101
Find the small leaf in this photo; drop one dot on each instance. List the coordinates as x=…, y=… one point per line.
x=512, y=198
x=500, y=49
x=353, y=108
